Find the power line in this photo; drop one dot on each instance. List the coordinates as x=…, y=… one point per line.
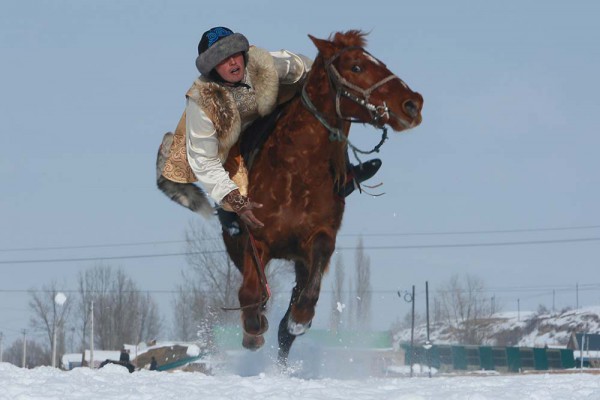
x=434, y=233
x=376, y=291
x=393, y=247
x=92, y=246
x=547, y=289
x=389, y=234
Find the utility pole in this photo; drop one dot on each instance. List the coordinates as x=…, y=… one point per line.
x=412, y=332
x=553, y=300
x=577, y=296
x=24, y=348
x=54, y=344
x=1, y=337
x=427, y=306
x=428, y=342
x=59, y=301
x=518, y=309
x=92, y=336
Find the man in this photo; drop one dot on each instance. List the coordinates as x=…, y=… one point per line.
x=238, y=84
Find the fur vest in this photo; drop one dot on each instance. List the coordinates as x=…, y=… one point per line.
x=219, y=105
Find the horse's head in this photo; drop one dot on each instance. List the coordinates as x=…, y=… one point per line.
x=365, y=89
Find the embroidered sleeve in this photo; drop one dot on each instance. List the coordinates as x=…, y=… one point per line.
x=290, y=67
x=203, y=153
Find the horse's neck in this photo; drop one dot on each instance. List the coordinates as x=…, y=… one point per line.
x=312, y=138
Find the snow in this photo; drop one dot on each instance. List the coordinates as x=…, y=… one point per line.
x=534, y=329
x=114, y=382
x=193, y=351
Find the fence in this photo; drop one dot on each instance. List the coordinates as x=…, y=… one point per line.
x=505, y=359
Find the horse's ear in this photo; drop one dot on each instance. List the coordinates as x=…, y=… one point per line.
x=325, y=47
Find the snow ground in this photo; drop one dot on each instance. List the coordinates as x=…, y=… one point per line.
x=114, y=382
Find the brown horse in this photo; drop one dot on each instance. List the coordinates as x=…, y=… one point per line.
x=297, y=173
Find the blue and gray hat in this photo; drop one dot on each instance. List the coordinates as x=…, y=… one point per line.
x=216, y=45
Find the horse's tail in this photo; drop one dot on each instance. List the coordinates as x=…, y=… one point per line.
x=186, y=194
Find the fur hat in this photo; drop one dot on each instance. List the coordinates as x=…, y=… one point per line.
x=217, y=44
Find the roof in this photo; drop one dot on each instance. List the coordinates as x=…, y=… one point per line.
x=592, y=341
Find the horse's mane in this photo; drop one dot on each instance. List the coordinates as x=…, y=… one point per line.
x=349, y=38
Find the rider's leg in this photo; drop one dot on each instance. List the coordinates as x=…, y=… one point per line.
x=358, y=174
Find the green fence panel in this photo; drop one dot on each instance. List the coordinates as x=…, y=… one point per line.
x=486, y=357
x=499, y=358
x=553, y=357
x=414, y=355
x=433, y=357
x=473, y=357
x=567, y=358
x=513, y=359
x=540, y=359
x=459, y=357
x=445, y=356
x=527, y=360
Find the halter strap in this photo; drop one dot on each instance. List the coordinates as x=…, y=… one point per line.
x=339, y=83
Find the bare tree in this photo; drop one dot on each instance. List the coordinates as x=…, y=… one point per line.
x=49, y=317
x=212, y=280
x=81, y=315
x=122, y=313
x=337, y=302
x=464, y=306
x=363, y=287
x=36, y=354
x=189, y=308
x=350, y=322
x=149, y=324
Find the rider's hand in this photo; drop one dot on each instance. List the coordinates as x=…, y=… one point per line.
x=243, y=207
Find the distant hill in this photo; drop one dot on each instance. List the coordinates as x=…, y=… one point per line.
x=527, y=329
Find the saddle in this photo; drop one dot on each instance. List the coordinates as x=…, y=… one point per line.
x=255, y=136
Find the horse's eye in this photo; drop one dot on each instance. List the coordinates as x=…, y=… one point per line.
x=356, y=69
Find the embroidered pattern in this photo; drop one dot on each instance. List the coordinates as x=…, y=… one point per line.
x=236, y=201
x=217, y=33
x=245, y=100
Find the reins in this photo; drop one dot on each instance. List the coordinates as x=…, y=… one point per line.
x=260, y=269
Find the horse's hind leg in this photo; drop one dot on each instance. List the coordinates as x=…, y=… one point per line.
x=285, y=338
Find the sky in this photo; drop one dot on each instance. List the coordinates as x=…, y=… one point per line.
x=114, y=382
x=500, y=180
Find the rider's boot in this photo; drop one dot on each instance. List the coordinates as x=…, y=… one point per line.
x=229, y=222
x=358, y=174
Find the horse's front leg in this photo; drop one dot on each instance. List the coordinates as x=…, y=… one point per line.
x=305, y=294
x=252, y=297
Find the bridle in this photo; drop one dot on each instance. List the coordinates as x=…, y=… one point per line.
x=379, y=113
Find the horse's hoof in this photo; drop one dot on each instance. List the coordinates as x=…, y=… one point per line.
x=253, y=342
x=297, y=329
x=256, y=326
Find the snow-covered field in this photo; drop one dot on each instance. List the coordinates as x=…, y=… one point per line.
x=114, y=382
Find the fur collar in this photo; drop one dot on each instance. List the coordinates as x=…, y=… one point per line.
x=218, y=103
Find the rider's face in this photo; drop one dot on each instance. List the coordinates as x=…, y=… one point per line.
x=232, y=68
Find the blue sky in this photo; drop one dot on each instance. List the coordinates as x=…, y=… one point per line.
x=509, y=141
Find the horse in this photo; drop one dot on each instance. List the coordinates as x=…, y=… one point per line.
x=297, y=173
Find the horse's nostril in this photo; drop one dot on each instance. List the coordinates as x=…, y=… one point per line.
x=411, y=108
